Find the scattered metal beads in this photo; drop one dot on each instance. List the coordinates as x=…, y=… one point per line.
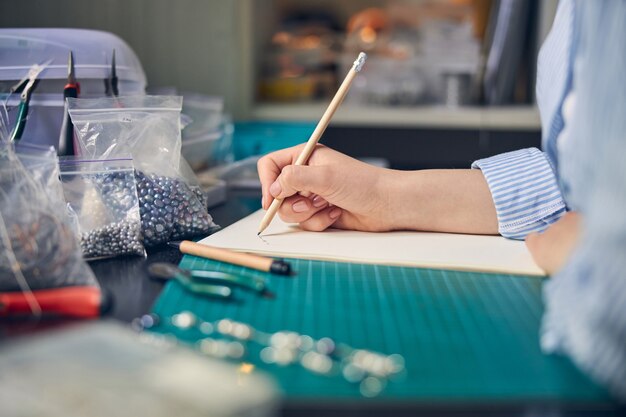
x=170, y=209
x=372, y=386
x=221, y=348
x=147, y=321
x=317, y=362
x=279, y=356
x=370, y=370
x=234, y=329
x=184, y=320
x=115, y=239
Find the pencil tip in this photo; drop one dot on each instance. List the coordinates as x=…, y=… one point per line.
x=175, y=244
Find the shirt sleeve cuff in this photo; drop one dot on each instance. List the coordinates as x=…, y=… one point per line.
x=524, y=189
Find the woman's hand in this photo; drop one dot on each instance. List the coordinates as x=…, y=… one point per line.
x=336, y=190
x=331, y=190
x=552, y=248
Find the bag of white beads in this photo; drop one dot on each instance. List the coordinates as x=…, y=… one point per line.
x=103, y=196
x=172, y=204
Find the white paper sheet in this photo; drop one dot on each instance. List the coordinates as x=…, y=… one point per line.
x=419, y=249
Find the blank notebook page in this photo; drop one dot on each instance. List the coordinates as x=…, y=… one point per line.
x=417, y=249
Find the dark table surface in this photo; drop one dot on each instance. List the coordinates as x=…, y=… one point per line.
x=126, y=279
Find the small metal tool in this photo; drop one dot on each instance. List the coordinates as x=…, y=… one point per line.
x=71, y=89
x=110, y=83
x=167, y=270
x=26, y=86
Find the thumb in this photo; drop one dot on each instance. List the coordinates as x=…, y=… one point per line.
x=302, y=178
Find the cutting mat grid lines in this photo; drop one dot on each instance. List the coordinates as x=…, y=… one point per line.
x=464, y=335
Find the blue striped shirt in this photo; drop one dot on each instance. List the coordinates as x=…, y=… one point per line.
x=524, y=183
x=582, y=63
x=586, y=300
x=525, y=191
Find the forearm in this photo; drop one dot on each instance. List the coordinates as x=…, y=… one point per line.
x=456, y=201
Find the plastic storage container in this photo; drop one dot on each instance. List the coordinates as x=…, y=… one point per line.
x=22, y=48
x=208, y=140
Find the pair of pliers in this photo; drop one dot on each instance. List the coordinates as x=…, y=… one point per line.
x=110, y=84
x=206, y=282
x=26, y=86
x=71, y=90
x=166, y=271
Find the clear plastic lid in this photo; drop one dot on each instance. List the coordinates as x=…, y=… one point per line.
x=92, y=49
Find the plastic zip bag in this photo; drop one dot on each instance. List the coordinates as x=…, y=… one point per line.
x=42, y=163
x=103, y=195
x=41, y=265
x=172, y=204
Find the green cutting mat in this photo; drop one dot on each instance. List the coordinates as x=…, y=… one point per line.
x=465, y=336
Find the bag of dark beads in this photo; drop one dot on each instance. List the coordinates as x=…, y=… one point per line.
x=172, y=204
x=103, y=196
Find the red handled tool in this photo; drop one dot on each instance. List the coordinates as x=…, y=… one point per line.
x=80, y=302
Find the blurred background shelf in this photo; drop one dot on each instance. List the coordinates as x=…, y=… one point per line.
x=496, y=118
x=219, y=48
x=228, y=48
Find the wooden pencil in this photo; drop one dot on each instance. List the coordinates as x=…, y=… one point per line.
x=317, y=133
x=258, y=262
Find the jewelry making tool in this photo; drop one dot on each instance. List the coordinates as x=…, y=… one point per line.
x=166, y=270
x=78, y=301
x=71, y=89
x=161, y=272
x=26, y=86
x=110, y=83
